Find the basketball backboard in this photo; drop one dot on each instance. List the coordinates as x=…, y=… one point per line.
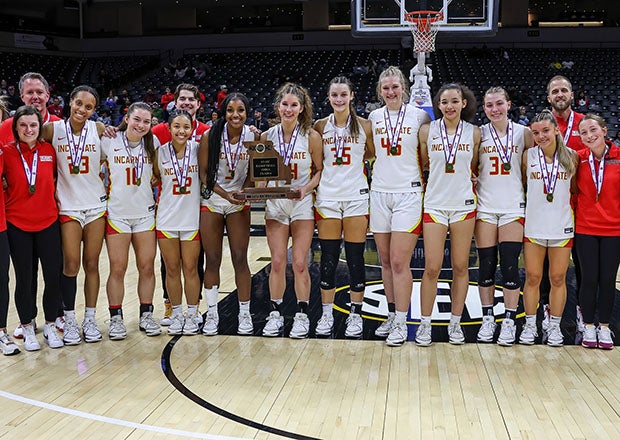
x=370, y=18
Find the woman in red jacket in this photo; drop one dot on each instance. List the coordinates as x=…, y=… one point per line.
x=597, y=235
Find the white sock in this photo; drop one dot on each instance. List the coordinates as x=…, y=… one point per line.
x=556, y=320
x=70, y=314
x=191, y=310
x=455, y=319
x=244, y=306
x=425, y=320
x=530, y=319
x=211, y=295
x=178, y=309
x=400, y=318
x=328, y=308
x=90, y=312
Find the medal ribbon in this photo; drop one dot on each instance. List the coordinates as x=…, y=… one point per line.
x=597, y=177
x=286, y=150
x=232, y=160
x=76, y=151
x=505, y=153
x=31, y=173
x=138, y=164
x=180, y=172
x=548, y=180
x=569, y=127
x=450, y=148
x=394, y=132
x=339, y=136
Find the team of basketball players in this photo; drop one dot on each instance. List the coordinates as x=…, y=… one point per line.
x=477, y=183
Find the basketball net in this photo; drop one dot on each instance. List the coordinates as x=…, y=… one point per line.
x=424, y=26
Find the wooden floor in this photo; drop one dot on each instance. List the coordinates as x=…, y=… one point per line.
x=258, y=388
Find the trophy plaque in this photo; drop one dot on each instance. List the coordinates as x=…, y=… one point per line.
x=266, y=165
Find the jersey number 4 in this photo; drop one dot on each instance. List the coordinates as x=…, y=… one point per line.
x=385, y=143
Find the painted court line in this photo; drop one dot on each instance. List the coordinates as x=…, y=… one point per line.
x=113, y=421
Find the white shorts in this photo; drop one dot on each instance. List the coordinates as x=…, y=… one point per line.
x=561, y=242
x=286, y=211
x=500, y=219
x=395, y=212
x=445, y=217
x=82, y=217
x=129, y=226
x=221, y=206
x=340, y=209
x=180, y=235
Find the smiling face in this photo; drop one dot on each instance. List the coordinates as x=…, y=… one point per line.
x=289, y=108
x=180, y=129
x=28, y=129
x=496, y=107
x=560, y=95
x=392, y=92
x=451, y=103
x=138, y=124
x=35, y=94
x=340, y=97
x=236, y=113
x=187, y=101
x=544, y=133
x=592, y=134
x=82, y=107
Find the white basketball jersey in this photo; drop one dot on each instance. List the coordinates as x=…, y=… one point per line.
x=178, y=211
x=401, y=171
x=228, y=179
x=500, y=190
x=301, y=161
x=85, y=190
x=126, y=198
x=347, y=180
x=543, y=219
x=450, y=190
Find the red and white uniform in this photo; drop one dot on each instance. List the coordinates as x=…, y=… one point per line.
x=177, y=211
x=602, y=217
x=85, y=190
x=450, y=190
x=6, y=129
x=498, y=190
x=162, y=131
x=573, y=140
x=346, y=181
x=543, y=219
x=301, y=161
x=400, y=172
x=127, y=199
x=30, y=212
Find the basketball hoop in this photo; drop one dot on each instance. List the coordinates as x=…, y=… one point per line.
x=424, y=26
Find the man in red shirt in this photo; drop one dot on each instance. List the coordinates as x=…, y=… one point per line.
x=186, y=97
x=34, y=90
x=560, y=95
x=55, y=108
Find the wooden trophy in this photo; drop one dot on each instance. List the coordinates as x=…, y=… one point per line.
x=266, y=165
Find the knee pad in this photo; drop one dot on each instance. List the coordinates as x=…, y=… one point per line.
x=330, y=251
x=509, y=263
x=487, y=266
x=355, y=260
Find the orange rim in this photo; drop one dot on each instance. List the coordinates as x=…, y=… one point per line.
x=423, y=16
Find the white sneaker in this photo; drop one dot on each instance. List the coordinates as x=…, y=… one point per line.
x=60, y=323
x=546, y=318
x=487, y=329
x=7, y=345
x=507, y=334
x=177, y=321
x=30, y=340
x=191, y=326
x=589, y=337
x=581, y=326
x=71, y=333
x=274, y=325
x=50, y=336
x=386, y=326
x=166, y=319
x=355, y=326
x=91, y=330
x=18, y=333
x=398, y=335
x=301, y=326
x=555, y=338
x=245, y=326
x=605, y=340
x=212, y=322
x=423, y=337
x=117, y=330
x=528, y=334
x=148, y=324
x=325, y=325
x=455, y=334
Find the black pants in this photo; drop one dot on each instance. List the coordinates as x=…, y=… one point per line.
x=599, y=258
x=4, y=278
x=46, y=244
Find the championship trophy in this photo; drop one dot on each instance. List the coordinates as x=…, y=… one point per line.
x=266, y=165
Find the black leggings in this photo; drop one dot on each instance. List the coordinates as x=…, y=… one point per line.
x=47, y=245
x=4, y=278
x=599, y=258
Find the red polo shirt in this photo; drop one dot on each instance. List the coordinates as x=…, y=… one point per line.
x=6, y=129
x=600, y=217
x=30, y=212
x=574, y=140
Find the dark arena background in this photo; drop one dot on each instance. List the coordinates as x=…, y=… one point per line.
x=234, y=387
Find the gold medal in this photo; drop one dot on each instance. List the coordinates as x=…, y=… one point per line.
x=393, y=151
x=449, y=168
x=183, y=190
x=339, y=161
x=75, y=169
x=506, y=167
x=550, y=197
x=138, y=181
x=32, y=189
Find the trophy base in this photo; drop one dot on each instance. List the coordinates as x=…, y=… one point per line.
x=257, y=194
